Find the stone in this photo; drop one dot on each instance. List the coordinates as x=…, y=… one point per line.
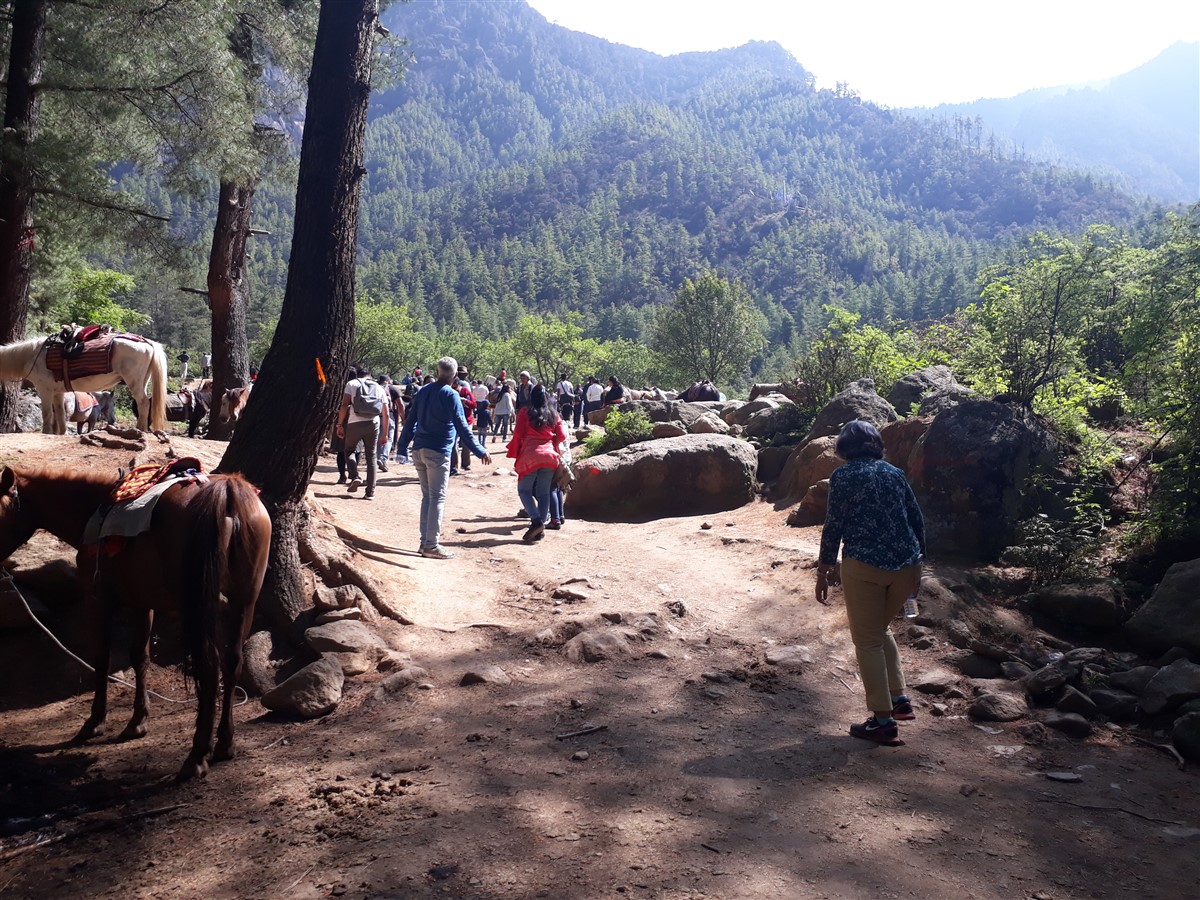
x=1171, y=655
x=1133, y=680
x=345, y=596
x=857, y=401
x=358, y=648
x=771, y=461
x=668, y=430
x=998, y=708
x=398, y=681
x=1186, y=736
x=568, y=594
x=933, y=681
x=809, y=463
x=927, y=642
x=708, y=425
x=1118, y=705
x=1190, y=707
x=258, y=675
x=957, y=631
x=811, y=510
x=938, y=401
x=673, y=410
x=340, y=615
x=786, y=417
x=312, y=692
x=938, y=709
x=1014, y=671
x=599, y=645
x=1051, y=678
x=901, y=438
x=1171, y=617
x=1064, y=777
x=974, y=665
x=1075, y=701
x=905, y=395
x=485, y=674
x=695, y=474
x=795, y=656
x=1095, y=603
x=971, y=472
x=1070, y=724
x=1170, y=687
x=991, y=651
x=741, y=415
x=580, y=756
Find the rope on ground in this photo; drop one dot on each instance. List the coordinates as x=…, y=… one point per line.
x=6, y=577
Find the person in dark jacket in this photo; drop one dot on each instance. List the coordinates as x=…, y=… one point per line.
x=873, y=516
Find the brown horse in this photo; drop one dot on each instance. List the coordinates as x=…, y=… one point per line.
x=205, y=554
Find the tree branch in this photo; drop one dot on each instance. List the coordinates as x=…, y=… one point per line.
x=97, y=203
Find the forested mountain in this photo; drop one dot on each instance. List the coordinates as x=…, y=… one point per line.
x=520, y=166
x=1141, y=129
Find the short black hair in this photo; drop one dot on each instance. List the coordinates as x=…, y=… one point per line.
x=859, y=440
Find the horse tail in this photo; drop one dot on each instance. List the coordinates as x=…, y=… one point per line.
x=229, y=537
x=158, y=389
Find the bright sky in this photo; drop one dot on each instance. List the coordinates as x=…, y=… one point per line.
x=914, y=53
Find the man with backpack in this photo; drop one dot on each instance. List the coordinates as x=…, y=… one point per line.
x=363, y=418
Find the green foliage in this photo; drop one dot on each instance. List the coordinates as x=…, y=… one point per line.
x=845, y=350
x=91, y=299
x=621, y=428
x=712, y=330
x=384, y=339
x=1059, y=550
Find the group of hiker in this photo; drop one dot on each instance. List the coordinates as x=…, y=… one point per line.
x=448, y=417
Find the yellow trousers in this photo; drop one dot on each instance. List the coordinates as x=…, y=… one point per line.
x=873, y=598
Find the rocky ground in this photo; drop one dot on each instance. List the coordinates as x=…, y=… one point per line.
x=716, y=760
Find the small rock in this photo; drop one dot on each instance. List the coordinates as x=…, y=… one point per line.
x=706, y=526
x=933, y=681
x=716, y=677
x=955, y=693
x=1133, y=680
x=1014, y=671
x=613, y=618
x=312, y=692
x=1073, y=701
x=975, y=665
x=1171, y=686
x=1119, y=705
x=1071, y=724
x=795, y=656
x=998, y=708
x=924, y=643
x=715, y=693
x=958, y=633
x=595, y=646
x=568, y=594
x=398, y=681
x=676, y=608
x=488, y=674
x=1064, y=777
x=353, y=613
x=658, y=654
x=991, y=651
x=938, y=709
x=580, y=755
x=1050, y=679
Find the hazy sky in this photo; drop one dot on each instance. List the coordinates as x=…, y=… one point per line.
x=914, y=53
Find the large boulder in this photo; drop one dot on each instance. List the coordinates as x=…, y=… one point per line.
x=809, y=463
x=29, y=413
x=709, y=424
x=740, y=415
x=356, y=646
x=1171, y=686
x=971, y=472
x=667, y=430
x=906, y=394
x=1095, y=603
x=313, y=691
x=857, y=401
x=939, y=401
x=690, y=475
x=771, y=461
x=901, y=438
x=674, y=410
x=1186, y=736
x=1171, y=617
x=812, y=509
x=780, y=420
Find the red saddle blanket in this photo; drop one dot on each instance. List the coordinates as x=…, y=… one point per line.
x=141, y=478
x=96, y=358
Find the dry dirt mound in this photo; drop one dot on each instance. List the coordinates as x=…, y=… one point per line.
x=684, y=764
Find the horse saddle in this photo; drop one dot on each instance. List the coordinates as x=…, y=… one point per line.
x=132, y=502
x=140, y=479
x=77, y=352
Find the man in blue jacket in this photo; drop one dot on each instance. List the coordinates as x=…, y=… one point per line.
x=433, y=419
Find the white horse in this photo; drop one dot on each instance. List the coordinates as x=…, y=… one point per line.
x=134, y=362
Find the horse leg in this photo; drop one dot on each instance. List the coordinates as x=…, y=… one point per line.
x=237, y=627
x=95, y=722
x=196, y=764
x=142, y=405
x=138, y=655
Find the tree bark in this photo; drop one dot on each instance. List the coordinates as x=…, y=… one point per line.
x=228, y=295
x=298, y=390
x=21, y=113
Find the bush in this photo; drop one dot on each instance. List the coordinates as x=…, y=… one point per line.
x=620, y=430
x=1059, y=550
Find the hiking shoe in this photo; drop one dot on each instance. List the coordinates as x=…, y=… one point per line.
x=368, y=496
x=354, y=485
x=554, y=525
x=871, y=730
x=535, y=533
x=436, y=553
x=342, y=480
x=382, y=466
x=903, y=711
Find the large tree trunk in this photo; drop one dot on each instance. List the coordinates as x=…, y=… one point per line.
x=277, y=443
x=21, y=111
x=228, y=295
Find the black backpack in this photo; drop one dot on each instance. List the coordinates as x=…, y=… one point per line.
x=368, y=399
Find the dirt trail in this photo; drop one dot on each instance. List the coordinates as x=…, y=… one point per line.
x=718, y=775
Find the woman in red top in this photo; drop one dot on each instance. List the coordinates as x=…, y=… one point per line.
x=537, y=437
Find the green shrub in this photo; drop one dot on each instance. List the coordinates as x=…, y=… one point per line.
x=620, y=430
x=1059, y=550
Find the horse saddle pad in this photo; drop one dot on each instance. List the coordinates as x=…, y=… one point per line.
x=96, y=358
x=141, y=478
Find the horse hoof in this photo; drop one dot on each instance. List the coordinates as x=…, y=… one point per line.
x=133, y=732
x=224, y=754
x=192, y=770
x=87, y=732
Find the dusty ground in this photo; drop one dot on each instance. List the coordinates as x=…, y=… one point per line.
x=743, y=786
